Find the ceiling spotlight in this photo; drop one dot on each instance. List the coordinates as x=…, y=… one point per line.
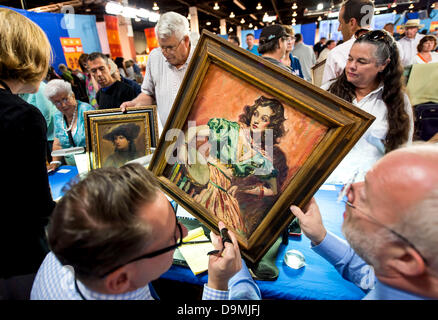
x=242, y=21
x=319, y=18
x=216, y=6
x=250, y=25
x=255, y=28
x=232, y=14
x=230, y=30
x=137, y=19
x=433, y=5
x=320, y=6
x=294, y=6
x=294, y=20
x=259, y=6
x=394, y=12
x=208, y=23
x=411, y=6
x=294, y=14
x=394, y=4
x=155, y=7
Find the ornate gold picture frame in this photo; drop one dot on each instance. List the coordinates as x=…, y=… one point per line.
x=113, y=137
x=245, y=139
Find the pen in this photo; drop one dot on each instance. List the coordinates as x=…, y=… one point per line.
x=193, y=242
x=225, y=238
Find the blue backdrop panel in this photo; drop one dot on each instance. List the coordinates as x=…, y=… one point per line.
x=308, y=31
x=84, y=27
x=380, y=20
x=297, y=28
x=58, y=25
x=50, y=23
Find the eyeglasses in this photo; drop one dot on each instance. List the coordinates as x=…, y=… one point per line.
x=61, y=102
x=171, y=48
x=179, y=242
x=346, y=190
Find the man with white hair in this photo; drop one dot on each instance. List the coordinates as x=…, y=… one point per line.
x=391, y=222
x=166, y=65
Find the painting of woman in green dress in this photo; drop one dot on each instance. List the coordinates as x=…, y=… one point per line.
x=246, y=167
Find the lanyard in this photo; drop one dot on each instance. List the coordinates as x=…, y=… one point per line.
x=79, y=291
x=421, y=57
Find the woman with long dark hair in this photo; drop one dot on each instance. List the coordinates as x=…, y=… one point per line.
x=373, y=81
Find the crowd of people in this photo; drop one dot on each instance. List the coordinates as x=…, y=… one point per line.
x=114, y=232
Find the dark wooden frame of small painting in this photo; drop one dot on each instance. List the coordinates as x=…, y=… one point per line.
x=95, y=118
x=344, y=124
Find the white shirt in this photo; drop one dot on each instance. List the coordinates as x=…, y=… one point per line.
x=337, y=60
x=369, y=147
x=162, y=81
x=418, y=60
x=409, y=49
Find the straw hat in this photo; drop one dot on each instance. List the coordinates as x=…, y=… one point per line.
x=413, y=23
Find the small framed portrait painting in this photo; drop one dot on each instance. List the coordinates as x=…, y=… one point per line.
x=114, y=138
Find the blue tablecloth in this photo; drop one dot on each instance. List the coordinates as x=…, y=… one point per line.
x=317, y=280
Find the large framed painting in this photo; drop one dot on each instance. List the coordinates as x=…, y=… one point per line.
x=318, y=72
x=245, y=139
x=114, y=138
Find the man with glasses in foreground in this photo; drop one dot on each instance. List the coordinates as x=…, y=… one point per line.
x=166, y=65
x=114, y=232
x=391, y=222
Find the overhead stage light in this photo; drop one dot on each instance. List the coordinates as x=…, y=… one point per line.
x=155, y=7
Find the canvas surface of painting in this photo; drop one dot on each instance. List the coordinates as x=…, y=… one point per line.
x=120, y=143
x=243, y=149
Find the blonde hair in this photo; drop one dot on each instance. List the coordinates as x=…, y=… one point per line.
x=289, y=30
x=25, y=51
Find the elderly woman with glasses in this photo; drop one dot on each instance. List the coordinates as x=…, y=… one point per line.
x=372, y=81
x=69, y=120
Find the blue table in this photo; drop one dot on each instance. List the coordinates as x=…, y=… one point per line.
x=60, y=178
x=317, y=280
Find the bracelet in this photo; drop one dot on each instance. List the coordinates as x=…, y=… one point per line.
x=55, y=162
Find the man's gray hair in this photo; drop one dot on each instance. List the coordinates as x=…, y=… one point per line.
x=172, y=23
x=420, y=225
x=57, y=86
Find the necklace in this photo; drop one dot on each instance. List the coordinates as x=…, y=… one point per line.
x=71, y=123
